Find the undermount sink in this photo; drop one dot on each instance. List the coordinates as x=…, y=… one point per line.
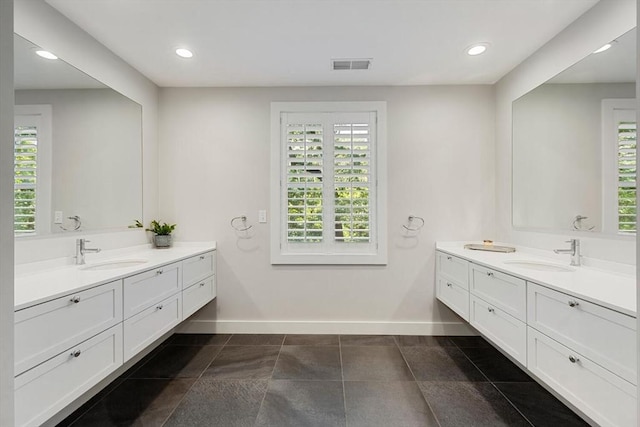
x=113, y=264
x=539, y=265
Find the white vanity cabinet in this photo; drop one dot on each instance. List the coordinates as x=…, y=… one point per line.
x=452, y=283
x=584, y=350
x=45, y=330
x=65, y=345
x=199, y=282
x=499, y=309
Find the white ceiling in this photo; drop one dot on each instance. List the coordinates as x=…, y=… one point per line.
x=291, y=42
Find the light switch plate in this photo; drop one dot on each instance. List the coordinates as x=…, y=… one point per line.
x=57, y=217
x=262, y=216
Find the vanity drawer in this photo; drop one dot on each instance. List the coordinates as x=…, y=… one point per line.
x=197, y=296
x=149, y=325
x=501, y=290
x=453, y=296
x=146, y=289
x=197, y=268
x=507, y=332
x=604, y=336
x=45, y=330
x=453, y=268
x=606, y=398
x=44, y=390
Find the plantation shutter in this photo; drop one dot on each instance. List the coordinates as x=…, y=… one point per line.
x=25, y=178
x=626, y=167
x=328, y=183
x=352, y=155
x=304, y=180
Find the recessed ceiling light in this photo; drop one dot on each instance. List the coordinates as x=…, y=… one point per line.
x=46, y=54
x=184, y=53
x=603, y=48
x=477, y=49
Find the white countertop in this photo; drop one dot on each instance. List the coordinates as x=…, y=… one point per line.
x=614, y=290
x=35, y=285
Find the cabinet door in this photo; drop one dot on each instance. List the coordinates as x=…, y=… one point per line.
x=196, y=268
x=44, y=330
x=506, y=292
x=604, y=336
x=197, y=296
x=507, y=332
x=604, y=397
x=453, y=269
x=143, y=290
x=46, y=389
x=453, y=296
x=149, y=325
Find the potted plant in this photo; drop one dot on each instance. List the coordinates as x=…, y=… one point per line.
x=161, y=233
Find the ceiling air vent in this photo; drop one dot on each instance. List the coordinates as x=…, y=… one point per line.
x=350, y=64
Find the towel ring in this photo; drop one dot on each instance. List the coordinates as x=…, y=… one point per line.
x=242, y=218
x=577, y=223
x=76, y=226
x=411, y=219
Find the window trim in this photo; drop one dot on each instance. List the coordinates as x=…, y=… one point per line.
x=280, y=257
x=609, y=162
x=45, y=159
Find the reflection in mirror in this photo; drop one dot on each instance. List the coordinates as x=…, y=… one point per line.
x=574, y=143
x=78, y=149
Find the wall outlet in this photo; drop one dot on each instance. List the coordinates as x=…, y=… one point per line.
x=57, y=217
x=262, y=216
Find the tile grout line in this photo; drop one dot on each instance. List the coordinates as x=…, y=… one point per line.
x=195, y=381
x=492, y=384
x=152, y=353
x=344, y=391
x=255, y=422
x=416, y=382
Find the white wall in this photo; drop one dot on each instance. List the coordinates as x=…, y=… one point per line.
x=44, y=26
x=214, y=159
x=6, y=213
x=557, y=154
x=97, y=156
x=603, y=23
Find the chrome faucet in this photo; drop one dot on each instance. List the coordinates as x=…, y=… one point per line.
x=81, y=249
x=574, y=251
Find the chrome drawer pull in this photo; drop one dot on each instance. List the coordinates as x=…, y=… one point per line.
x=491, y=310
x=159, y=307
x=76, y=353
x=201, y=256
x=573, y=303
x=449, y=284
x=490, y=273
x=449, y=258
x=159, y=272
x=75, y=299
x=573, y=359
x=202, y=284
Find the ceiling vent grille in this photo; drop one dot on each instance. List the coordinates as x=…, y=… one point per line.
x=350, y=64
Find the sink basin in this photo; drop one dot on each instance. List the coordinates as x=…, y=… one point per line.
x=113, y=264
x=540, y=265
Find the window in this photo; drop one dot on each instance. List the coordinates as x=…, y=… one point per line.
x=328, y=173
x=619, y=165
x=32, y=169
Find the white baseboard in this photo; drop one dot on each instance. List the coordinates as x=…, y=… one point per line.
x=321, y=327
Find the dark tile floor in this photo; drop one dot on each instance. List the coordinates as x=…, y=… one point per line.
x=324, y=380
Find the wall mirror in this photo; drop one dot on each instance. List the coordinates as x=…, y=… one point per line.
x=574, y=143
x=78, y=149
